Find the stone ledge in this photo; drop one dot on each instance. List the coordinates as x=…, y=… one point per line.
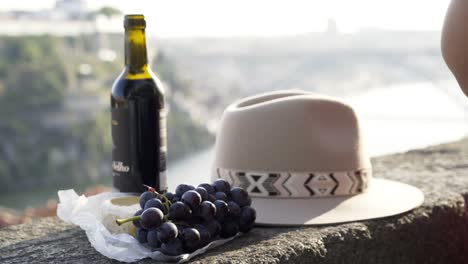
x=437, y=232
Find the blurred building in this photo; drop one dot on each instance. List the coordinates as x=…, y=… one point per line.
x=72, y=9
x=332, y=27
x=68, y=17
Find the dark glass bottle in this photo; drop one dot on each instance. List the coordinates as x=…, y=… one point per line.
x=138, y=117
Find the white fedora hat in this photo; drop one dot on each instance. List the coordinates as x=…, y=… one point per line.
x=301, y=157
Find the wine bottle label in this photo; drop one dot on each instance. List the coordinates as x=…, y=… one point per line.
x=121, y=155
x=139, y=147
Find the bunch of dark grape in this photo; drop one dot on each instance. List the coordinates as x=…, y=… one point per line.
x=192, y=217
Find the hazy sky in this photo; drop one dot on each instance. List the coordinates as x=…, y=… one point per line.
x=268, y=17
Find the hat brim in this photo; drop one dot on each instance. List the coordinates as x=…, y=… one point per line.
x=383, y=198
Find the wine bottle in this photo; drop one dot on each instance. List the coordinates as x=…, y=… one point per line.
x=138, y=117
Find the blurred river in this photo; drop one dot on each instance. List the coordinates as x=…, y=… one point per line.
x=395, y=119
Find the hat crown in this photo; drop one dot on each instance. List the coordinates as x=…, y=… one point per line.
x=287, y=148
x=291, y=131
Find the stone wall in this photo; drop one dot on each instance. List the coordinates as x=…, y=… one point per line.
x=437, y=232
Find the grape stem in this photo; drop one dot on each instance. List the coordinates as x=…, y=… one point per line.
x=162, y=197
x=167, y=203
x=125, y=220
x=151, y=189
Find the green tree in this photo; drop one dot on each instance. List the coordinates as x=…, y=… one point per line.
x=109, y=11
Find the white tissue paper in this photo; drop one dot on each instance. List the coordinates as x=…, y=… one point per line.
x=88, y=214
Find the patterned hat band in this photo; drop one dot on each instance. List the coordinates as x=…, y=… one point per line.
x=298, y=184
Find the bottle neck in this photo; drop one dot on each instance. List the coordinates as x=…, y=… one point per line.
x=136, y=58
